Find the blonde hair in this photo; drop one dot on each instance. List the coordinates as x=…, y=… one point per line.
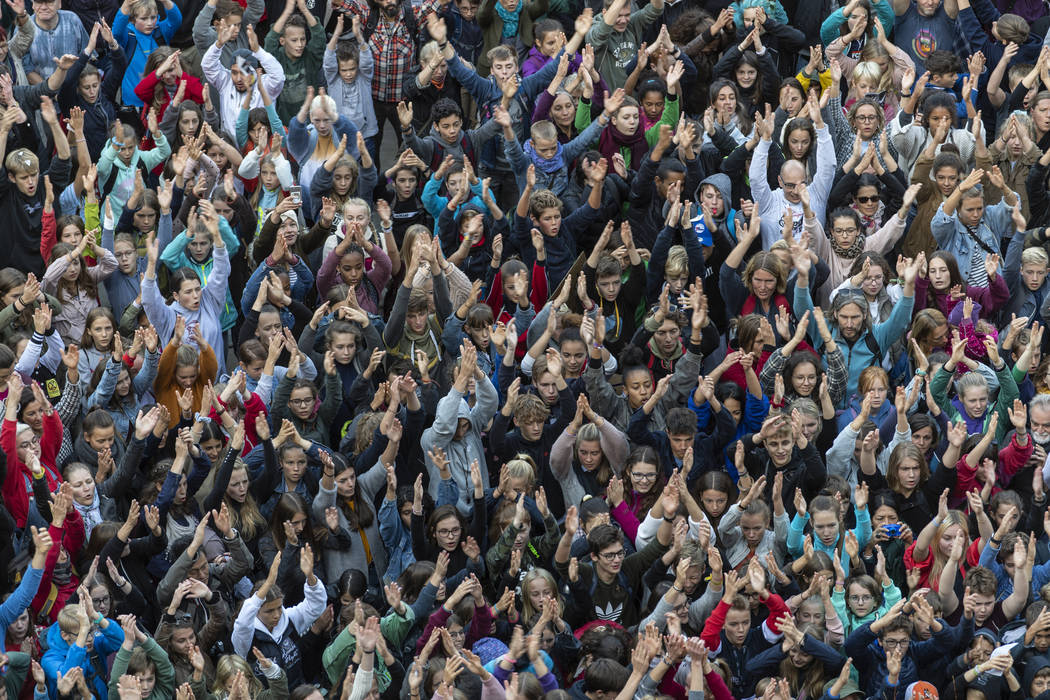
x=529, y=613
x=871, y=73
x=522, y=467
x=22, y=161
x=1035, y=256
x=677, y=264
x=247, y=518
x=227, y=669
x=955, y=517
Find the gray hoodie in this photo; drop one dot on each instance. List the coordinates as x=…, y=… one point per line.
x=461, y=453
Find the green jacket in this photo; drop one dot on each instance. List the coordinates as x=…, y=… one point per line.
x=298, y=73
x=337, y=655
x=1007, y=393
x=537, y=551
x=163, y=689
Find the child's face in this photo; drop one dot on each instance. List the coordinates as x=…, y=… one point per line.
x=70, y=234
x=947, y=179
x=712, y=199
x=416, y=320
x=125, y=145
x=626, y=120
x=101, y=332
x=549, y=222
x=676, y=284
x=550, y=44
x=574, y=357
x=89, y=86
x=348, y=70
x=861, y=602
x=864, y=87
x=172, y=75
x=73, y=271
x=609, y=287
x=545, y=148
x=653, y=104
x=146, y=22
x=1033, y=275
x=145, y=219
x=944, y=80
x=352, y=268
x=455, y=183
x=268, y=177
x=218, y=156
x=746, y=74
x=449, y=128
x=342, y=179
x=259, y=133
x=293, y=41
x=405, y=183
x=753, y=528
x=467, y=9
x=939, y=117
x=100, y=438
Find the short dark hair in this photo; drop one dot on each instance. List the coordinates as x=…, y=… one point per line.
x=942, y=62
x=545, y=26
x=680, y=421
x=604, y=536
x=845, y=213
x=444, y=107
x=668, y=166
x=605, y=675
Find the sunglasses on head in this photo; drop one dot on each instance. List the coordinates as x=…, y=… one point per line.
x=866, y=200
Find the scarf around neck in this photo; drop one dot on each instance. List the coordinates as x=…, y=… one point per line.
x=611, y=141
x=551, y=165
x=870, y=223
x=510, y=19
x=854, y=250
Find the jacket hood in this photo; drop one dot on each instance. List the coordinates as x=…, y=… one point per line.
x=55, y=642
x=725, y=188
x=1035, y=665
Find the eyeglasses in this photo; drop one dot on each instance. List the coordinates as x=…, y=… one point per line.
x=454, y=532
x=100, y=601
x=300, y=402
x=636, y=476
x=845, y=231
x=791, y=185
x=895, y=643
x=613, y=556
x=861, y=598
x=867, y=200
x=865, y=117
x=457, y=633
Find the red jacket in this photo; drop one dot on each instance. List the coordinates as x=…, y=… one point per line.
x=712, y=634
x=71, y=536
x=18, y=485
x=144, y=90
x=537, y=295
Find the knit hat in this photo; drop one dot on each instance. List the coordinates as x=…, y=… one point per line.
x=489, y=648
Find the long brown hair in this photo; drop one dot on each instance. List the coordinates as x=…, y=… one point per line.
x=83, y=282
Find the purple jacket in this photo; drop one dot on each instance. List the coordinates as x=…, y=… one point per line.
x=536, y=60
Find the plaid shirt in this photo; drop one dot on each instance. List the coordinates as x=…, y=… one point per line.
x=393, y=48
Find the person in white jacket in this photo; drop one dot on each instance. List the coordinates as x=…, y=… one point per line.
x=771, y=204
x=233, y=83
x=265, y=624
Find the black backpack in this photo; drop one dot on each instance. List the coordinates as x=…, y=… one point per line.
x=407, y=14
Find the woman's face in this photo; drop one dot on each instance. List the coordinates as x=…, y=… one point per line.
x=874, y=282
x=590, y=454
x=101, y=332
x=644, y=476
x=302, y=402
x=182, y=641
x=857, y=18
x=866, y=121
x=975, y=401
x=746, y=74
x=13, y=294
x=100, y=438
x=342, y=180
x=844, y=230
x=909, y=473
x=763, y=284
x=186, y=376
x=447, y=532
x=70, y=234
x=725, y=101
x=626, y=120
x=346, y=484
x=563, y=111
x=884, y=515
x=639, y=387
x=714, y=502
x=923, y=438
x=293, y=464
x=799, y=141
x=826, y=526
x=539, y=592
x=352, y=268
x=101, y=599
x=88, y=87
x=344, y=347
x=791, y=100
x=944, y=542
x=211, y=448
x=180, y=491
x=189, y=124
x=73, y=271
x=237, y=489
x=83, y=486
x=804, y=378
x=145, y=219
x=940, y=277
x=866, y=200
x=298, y=523
x=811, y=611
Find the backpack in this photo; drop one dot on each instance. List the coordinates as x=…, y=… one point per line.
x=408, y=15
x=114, y=172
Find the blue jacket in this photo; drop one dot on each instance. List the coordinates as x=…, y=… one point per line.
x=397, y=538
x=952, y=236
x=138, y=46
x=869, y=658
x=301, y=282
x=175, y=256
x=859, y=355
x=755, y=412
x=60, y=657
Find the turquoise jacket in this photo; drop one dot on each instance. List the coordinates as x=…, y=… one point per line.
x=175, y=256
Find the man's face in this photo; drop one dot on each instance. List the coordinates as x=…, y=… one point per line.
x=780, y=448
x=850, y=321
x=467, y=9
x=667, y=336
x=712, y=199
x=738, y=622
x=547, y=388
x=294, y=41
x=531, y=430
x=449, y=128
x=927, y=8
x=609, y=287
x=680, y=443
x=241, y=80
x=791, y=181
x=1039, y=418
x=610, y=559
x=46, y=10
x=622, y=19
x=26, y=182
x=983, y=605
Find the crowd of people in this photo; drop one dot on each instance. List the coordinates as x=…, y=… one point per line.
x=665, y=349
